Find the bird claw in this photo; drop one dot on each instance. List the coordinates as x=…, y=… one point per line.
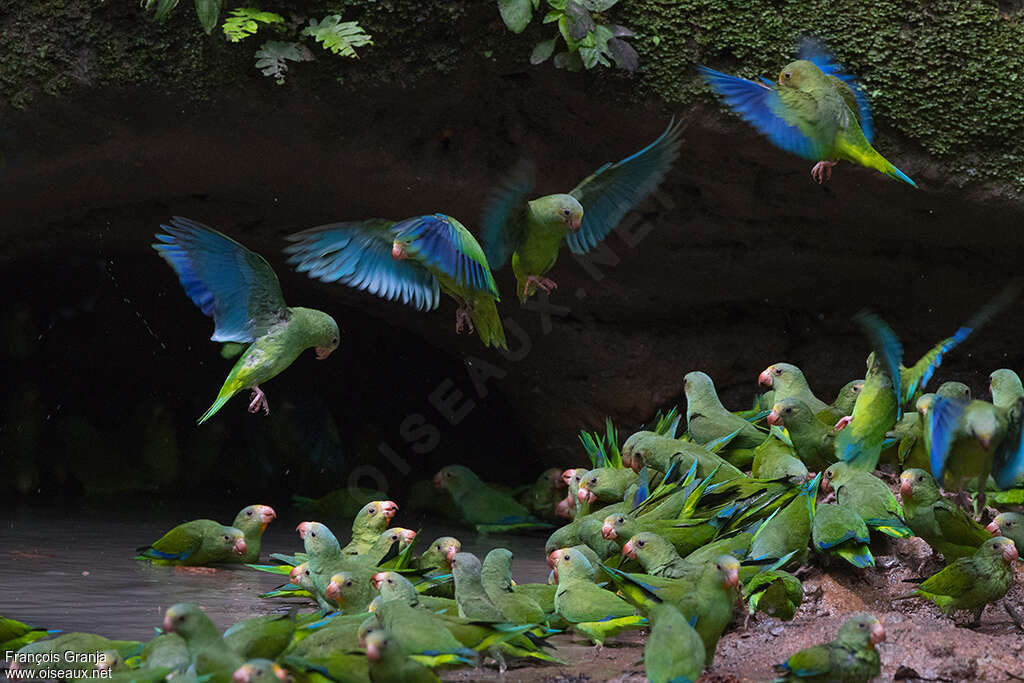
x=843, y=422
x=822, y=171
x=544, y=283
x=463, y=320
x=259, y=401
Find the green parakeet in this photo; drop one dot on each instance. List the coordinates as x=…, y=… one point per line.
x=533, y=231
x=545, y=493
x=868, y=496
x=14, y=634
x=814, y=110
x=496, y=577
x=481, y=506
x=945, y=527
x=850, y=658
x=469, y=590
x=52, y=653
x=252, y=521
x=195, y=543
x=352, y=590
x=847, y=397
x=813, y=441
x=418, y=631
x=1006, y=388
x=684, y=535
x=972, y=582
x=840, y=531
x=787, y=532
x=260, y=670
x=674, y=652
x=606, y=484
x=1009, y=525
x=413, y=260
x=263, y=637
x=775, y=592
x=389, y=663
x=593, y=611
x=208, y=652
x=775, y=459
x=788, y=381
x=660, y=452
x=368, y=525
x=658, y=557
x=707, y=419
x=239, y=289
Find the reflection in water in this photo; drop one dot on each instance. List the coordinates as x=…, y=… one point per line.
x=74, y=571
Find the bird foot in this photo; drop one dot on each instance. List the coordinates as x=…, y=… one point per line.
x=843, y=421
x=963, y=500
x=259, y=401
x=542, y=282
x=822, y=171
x=801, y=570
x=829, y=498
x=463, y=320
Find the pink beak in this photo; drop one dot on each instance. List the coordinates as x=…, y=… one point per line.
x=239, y=547
x=294, y=575
x=398, y=251
x=333, y=590
x=553, y=558
x=608, y=532
x=388, y=508
x=629, y=551
x=826, y=487
x=450, y=553
x=906, y=490
x=564, y=506
x=574, y=223
x=774, y=418
x=372, y=653
x=407, y=536
x=877, y=634
x=1010, y=553
x=765, y=378
x=585, y=495
x=241, y=674
x=378, y=579
x=568, y=475
x=303, y=529
x=322, y=351
x=437, y=480
x=993, y=528
x=732, y=578
x=168, y=624
x=841, y=425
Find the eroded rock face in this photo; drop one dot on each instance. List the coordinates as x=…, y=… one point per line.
x=739, y=261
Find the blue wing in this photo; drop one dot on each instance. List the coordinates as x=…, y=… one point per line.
x=1008, y=462
x=759, y=105
x=503, y=224
x=614, y=189
x=887, y=348
x=643, y=485
x=815, y=52
x=358, y=254
x=441, y=242
x=943, y=418
x=234, y=285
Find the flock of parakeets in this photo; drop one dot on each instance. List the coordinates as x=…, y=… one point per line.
x=665, y=533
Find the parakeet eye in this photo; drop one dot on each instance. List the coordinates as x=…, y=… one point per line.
x=786, y=75
x=248, y=513
x=593, y=480
x=920, y=477
x=641, y=544
x=348, y=583
x=259, y=673
x=372, y=511
x=621, y=520
x=390, y=581
x=312, y=534
x=788, y=409
x=566, y=557
x=565, y=212
x=438, y=546
x=227, y=538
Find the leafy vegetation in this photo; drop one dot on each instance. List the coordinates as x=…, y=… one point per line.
x=589, y=41
x=272, y=57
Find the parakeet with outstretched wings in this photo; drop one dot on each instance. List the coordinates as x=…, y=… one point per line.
x=533, y=231
x=411, y=261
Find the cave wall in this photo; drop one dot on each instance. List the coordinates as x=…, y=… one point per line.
x=739, y=261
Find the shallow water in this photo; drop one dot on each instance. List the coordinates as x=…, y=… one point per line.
x=73, y=569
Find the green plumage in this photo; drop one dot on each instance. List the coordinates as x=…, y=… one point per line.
x=945, y=527
x=850, y=658
x=840, y=531
x=707, y=419
x=813, y=441
x=869, y=497
x=196, y=543
x=674, y=652
x=775, y=592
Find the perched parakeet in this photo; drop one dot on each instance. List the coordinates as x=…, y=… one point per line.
x=352, y=590
x=413, y=260
x=815, y=111
x=207, y=651
x=813, y=441
x=707, y=419
x=850, y=658
x=684, y=535
x=195, y=543
x=239, y=289
x=368, y=524
x=674, y=652
x=252, y=521
x=263, y=637
x=606, y=484
x=661, y=452
x=469, y=590
x=1009, y=525
x=775, y=459
x=496, y=577
x=787, y=381
x=389, y=663
x=593, y=611
x=532, y=231
x=972, y=582
x=787, y=532
x=658, y=557
x=945, y=527
x=1005, y=387
x=840, y=531
x=480, y=505
x=419, y=631
x=868, y=496
x=847, y=397
x=545, y=493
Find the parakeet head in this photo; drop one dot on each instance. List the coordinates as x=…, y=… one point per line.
x=924, y=404
x=377, y=513
x=828, y=477
x=255, y=516
x=698, y=386
x=644, y=546
x=612, y=525
x=465, y=566
x=342, y=585
x=789, y=411
x=317, y=538
x=954, y=390
x=232, y=539
x=108, y=660
x=370, y=624
x=572, y=564
x=299, y=575
x=393, y=586
x=780, y=375
x=982, y=423
x=188, y=621
x=259, y=671
x=559, y=209
x=377, y=644
x=862, y=631
x=727, y=571
x=1000, y=546
x=918, y=485
x=321, y=330
x=441, y=552
x=801, y=74
x=456, y=478
x=1007, y=524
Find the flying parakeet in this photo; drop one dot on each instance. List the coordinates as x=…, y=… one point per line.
x=850, y=658
x=239, y=289
x=413, y=260
x=814, y=110
x=533, y=231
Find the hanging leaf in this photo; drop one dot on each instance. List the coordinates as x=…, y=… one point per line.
x=340, y=37
x=273, y=55
x=580, y=21
x=163, y=8
x=208, y=12
x=542, y=51
x=599, y=5
x=516, y=13
x=624, y=55
x=245, y=21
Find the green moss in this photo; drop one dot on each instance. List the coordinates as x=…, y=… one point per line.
x=946, y=74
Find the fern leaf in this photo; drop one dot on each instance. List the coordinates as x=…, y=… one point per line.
x=245, y=21
x=340, y=37
x=273, y=56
